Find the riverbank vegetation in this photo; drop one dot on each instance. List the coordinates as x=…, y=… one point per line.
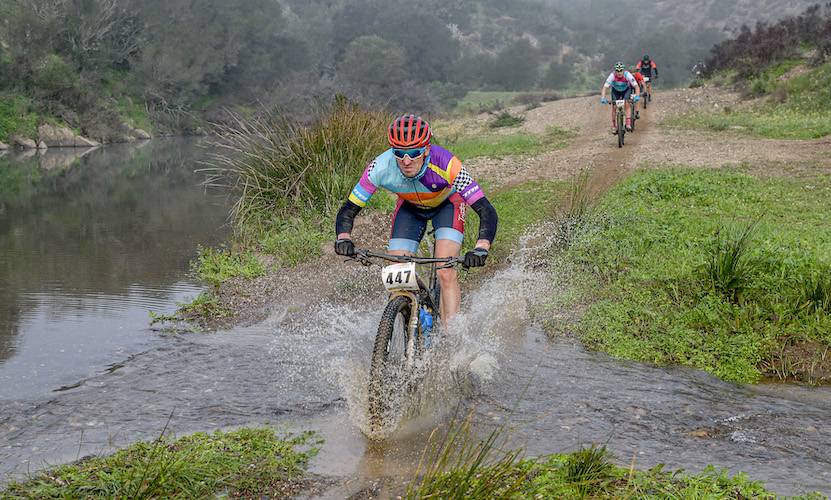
x=717, y=270
x=245, y=463
x=462, y=466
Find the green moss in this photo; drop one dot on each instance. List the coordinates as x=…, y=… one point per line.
x=250, y=463
x=648, y=254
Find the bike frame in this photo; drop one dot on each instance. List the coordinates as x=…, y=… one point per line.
x=425, y=293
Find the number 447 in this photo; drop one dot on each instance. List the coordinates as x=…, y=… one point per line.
x=399, y=277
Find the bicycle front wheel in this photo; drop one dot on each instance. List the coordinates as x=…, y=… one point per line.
x=389, y=370
x=621, y=129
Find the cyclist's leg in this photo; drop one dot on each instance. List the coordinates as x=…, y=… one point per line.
x=627, y=106
x=408, y=228
x=449, y=223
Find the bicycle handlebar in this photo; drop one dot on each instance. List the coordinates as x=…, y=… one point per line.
x=364, y=256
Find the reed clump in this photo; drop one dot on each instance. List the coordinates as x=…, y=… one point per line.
x=282, y=169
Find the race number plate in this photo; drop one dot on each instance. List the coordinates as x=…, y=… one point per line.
x=646, y=78
x=400, y=277
x=620, y=102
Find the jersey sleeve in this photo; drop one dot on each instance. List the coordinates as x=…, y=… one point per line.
x=464, y=184
x=365, y=187
x=609, y=80
x=630, y=78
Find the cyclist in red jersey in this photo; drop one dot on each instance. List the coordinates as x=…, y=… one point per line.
x=636, y=73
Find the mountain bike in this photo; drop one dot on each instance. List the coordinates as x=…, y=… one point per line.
x=646, y=96
x=634, y=114
x=620, y=120
x=405, y=330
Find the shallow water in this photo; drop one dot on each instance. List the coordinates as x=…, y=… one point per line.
x=305, y=366
x=90, y=242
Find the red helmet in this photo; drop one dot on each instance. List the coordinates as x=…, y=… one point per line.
x=409, y=131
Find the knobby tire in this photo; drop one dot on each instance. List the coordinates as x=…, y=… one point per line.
x=621, y=128
x=379, y=399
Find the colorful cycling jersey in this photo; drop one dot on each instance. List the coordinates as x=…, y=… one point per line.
x=443, y=176
x=622, y=82
x=639, y=79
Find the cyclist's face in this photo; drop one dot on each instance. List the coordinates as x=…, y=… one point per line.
x=409, y=166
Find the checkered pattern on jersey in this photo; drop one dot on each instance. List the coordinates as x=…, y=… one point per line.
x=462, y=181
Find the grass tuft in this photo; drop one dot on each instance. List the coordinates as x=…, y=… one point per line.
x=250, y=463
x=815, y=296
x=463, y=467
x=588, y=469
x=729, y=270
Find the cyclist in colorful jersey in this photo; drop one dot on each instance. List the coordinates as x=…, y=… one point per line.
x=622, y=84
x=636, y=73
x=650, y=70
x=432, y=185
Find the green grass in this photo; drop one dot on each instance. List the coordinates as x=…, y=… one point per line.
x=17, y=116
x=797, y=108
x=463, y=469
x=675, y=277
x=479, y=100
x=499, y=145
x=249, y=463
x=588, y=473
x=215, y=266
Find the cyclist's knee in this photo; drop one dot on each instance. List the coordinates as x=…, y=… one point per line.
x=447, y=277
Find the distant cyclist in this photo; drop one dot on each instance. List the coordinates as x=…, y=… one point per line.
x=638, y=78
x=650, y=70
x=432, y=185
x=622, y=84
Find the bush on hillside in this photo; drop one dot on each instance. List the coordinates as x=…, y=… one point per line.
x=754, y=50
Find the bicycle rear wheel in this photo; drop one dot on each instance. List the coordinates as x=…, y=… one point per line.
x=389, y=369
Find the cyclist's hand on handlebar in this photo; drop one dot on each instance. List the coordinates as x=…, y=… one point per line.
x=475, y=257
x=603, y=100
x=345, y=247
x=636, y=98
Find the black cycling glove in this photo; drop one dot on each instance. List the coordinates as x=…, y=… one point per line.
x=345, y=247
x=476, y=257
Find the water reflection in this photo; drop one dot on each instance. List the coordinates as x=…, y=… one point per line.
x=89, y=241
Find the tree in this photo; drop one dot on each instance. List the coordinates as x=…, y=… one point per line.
x=371, y=60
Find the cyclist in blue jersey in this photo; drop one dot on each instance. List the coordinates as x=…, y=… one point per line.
x=622, y=84
x=432, y=185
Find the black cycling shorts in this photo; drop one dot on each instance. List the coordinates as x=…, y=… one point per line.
x=621, y=95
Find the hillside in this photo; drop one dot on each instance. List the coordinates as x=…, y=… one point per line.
x=118, y=65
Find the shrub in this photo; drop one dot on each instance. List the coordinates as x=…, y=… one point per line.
x=281, y=168
x=505, y=119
